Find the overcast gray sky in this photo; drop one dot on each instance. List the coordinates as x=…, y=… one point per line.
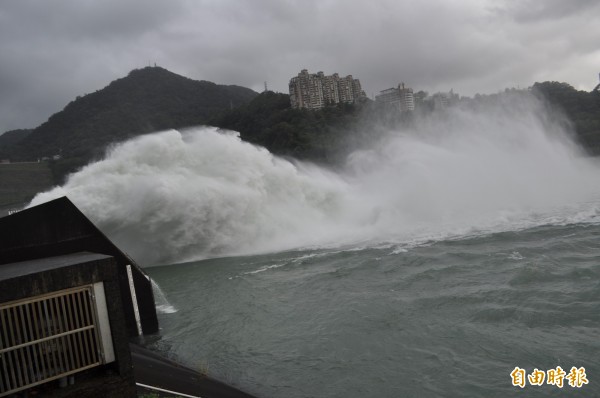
x=52, y=51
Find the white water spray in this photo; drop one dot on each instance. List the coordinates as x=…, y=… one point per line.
x=163, y=305
x=177, y=196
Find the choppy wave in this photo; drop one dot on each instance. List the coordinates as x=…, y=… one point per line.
x=176, y=196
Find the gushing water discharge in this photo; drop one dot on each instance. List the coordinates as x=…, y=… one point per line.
x=162, y=303
x=177, y=196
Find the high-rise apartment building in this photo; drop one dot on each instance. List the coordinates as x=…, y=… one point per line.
x=315, y=90
x=443, y=100
x=401, y=98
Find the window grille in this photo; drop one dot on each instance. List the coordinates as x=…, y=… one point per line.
x=48, y=337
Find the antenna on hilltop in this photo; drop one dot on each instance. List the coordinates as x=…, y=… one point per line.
x=266, y=87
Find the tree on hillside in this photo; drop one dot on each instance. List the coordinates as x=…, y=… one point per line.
x=147, y=100
x=582, y=107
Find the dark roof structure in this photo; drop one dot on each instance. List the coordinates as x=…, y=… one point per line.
x=58, y=228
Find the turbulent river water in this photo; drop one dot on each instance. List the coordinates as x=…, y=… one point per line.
x=433, y=263
x=451, y=318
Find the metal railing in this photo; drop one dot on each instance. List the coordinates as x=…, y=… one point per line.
x=48, y=337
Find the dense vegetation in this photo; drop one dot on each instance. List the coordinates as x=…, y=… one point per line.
x=9, y=141
x=147, y=100
x=153, y=99
x=323, y=136
x=581, y=107
x=327, y=135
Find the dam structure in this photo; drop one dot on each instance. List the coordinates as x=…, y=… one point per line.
x=74, y=310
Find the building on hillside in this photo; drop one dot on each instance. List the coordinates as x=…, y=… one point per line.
x=315, y=90
x=443, y=100
x=440, y=100
x=400, y=98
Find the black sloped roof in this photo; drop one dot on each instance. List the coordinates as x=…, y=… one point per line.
x=57, y=228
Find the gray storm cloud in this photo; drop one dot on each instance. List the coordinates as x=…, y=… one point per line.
x=54, y=51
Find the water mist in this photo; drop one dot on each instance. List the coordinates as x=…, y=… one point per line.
x=176, y=196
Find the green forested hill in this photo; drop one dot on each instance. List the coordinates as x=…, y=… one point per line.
x=152, y=99
x=327, y=135
x=269, y=121
x=324, y=136
x=147, y=100
x=10, y=140
x=581, y=107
